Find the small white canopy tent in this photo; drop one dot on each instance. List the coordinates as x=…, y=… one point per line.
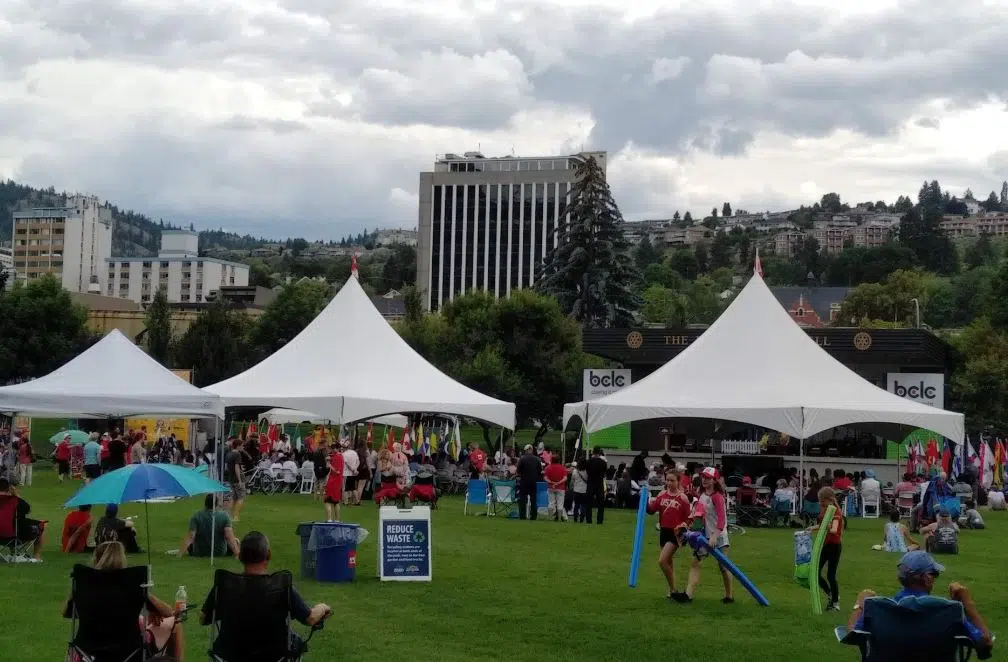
x=112, y=379
x=294, y=416
x=350, y=365
x=755, y=365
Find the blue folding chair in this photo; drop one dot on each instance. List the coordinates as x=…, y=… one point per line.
x=477, y=494
x=542, y=499
x=915, y=629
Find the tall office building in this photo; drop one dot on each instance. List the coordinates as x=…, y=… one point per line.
x=487, y=223
x=178, y=269
x=70, y=242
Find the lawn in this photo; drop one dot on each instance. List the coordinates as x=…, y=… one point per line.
x=505, y=589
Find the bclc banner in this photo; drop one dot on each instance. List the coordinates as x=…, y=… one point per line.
x=925, y=387
x=599, y=382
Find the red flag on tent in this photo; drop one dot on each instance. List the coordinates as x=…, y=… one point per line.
x=946, y=460
x=251, y=432
x=757, y=265
x=274, y=433
x=353, y=264
x=391, y=438
x=370, y=432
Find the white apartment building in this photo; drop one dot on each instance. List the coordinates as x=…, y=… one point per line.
x=70, y=242
x=396, y=236
x=7, y=261
x=178, y=269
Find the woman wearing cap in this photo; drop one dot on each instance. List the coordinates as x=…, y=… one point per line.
x=714, y=507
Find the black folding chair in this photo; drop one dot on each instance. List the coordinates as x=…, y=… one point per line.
x=251, y=619
x=105, y=611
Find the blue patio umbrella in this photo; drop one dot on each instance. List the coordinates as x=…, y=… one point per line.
x=145, y=483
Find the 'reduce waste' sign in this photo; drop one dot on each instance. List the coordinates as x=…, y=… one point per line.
x=404, y=544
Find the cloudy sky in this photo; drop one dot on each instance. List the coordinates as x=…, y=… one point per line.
x=314, y=117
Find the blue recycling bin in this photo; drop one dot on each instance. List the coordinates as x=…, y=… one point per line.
x=329, y=550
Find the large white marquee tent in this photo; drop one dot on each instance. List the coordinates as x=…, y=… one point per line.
x=112, y=379
x=350, y=365
x=293, y=416
x=755, y=365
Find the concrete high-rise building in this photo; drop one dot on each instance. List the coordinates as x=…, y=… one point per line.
x=487, y=223
x=178, y=270
x=71, y=242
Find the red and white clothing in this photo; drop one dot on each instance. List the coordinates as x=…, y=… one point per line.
x=673, y=509
x=334, y=483
x=715, y=513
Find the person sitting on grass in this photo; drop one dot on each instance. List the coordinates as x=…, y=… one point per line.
x=163, y=632
x=76, y=529
x=897, y=537
x=971, y=519
x=111, y=527
x=206, y=525
x=917, y=573
x=941, y=536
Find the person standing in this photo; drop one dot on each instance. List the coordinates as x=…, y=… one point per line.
x=235, y=475
x=529, y=471
x=673, y=510
x=556, y=480
x=138, y=452
x=351, y=465
x=117, y=453
x=829, y=558
x=363, y=472
x=597, y=467
x=62, y=455
x=92, y=459
x=26, y=457
x=579, y=485
x=710, y=510
x=334, y=485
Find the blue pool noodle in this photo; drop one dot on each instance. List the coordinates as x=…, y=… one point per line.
x=697, y=539
x=638, y=540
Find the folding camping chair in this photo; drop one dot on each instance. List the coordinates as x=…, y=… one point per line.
x=871, y=506
x=504, y=494
x=477, y=494
x=915, y=629
x=105, y=608
x=250, y=619
x=12, y=548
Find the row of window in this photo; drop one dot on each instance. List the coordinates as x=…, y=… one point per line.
x=509, y=165
x=492, y=237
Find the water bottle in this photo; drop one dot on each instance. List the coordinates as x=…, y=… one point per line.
x=180, y=600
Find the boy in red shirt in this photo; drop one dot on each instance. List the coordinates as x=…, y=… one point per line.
x=673, y=510
x=76, y=529
x=556, y=483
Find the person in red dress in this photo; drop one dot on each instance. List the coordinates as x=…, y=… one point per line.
x=334, y=484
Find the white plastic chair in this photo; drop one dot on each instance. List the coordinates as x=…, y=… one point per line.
x=307, y=480
x=904, y=504
x=870, y=506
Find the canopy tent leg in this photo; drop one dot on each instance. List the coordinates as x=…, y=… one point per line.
x=801, y=461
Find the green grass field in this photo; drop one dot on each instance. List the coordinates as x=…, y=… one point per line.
x=505, y=589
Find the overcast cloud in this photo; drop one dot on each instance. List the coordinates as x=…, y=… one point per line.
x=314, y=117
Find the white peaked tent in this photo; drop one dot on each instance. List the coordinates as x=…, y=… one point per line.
x=350, y=365
x=294, y=416
x=112, y=379
x=755, y=365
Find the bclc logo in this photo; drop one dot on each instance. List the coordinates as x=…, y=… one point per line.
x=606, y=379
x=919, y=391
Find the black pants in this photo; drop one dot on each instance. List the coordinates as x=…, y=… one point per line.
x=527, y=494
x=830, y=558
x=596, y=498
x=580, y=507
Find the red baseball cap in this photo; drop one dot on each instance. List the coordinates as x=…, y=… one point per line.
x=710, y=472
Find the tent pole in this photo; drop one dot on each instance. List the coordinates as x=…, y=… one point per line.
x=801, y=459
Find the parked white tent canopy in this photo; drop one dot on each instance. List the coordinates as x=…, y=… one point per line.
x=350, y=365
x=755, y=365
x=112, y=379
x=294, y=416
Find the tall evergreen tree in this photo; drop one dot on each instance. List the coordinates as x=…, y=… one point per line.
x=590, y=272
x=159, y=331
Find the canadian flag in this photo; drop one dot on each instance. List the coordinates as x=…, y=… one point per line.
x=757, y=265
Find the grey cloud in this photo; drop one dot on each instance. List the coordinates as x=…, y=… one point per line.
x=928, y=122
x=243, y=123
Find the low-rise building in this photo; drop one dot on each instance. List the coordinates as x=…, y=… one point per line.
x=178, y=269
x=391, y=237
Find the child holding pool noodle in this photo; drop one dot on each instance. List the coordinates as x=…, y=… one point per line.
x=673, y=510
x=710, y=511
x=830, y=555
